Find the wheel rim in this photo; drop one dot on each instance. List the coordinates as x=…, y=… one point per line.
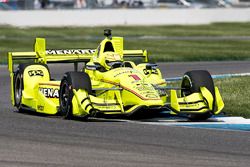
x=65, y=95
x=18, y=90
x=65, y=98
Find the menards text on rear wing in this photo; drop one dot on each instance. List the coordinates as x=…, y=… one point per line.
x=41, y=55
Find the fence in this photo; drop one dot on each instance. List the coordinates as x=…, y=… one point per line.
x=90, y=4
x=112, y=17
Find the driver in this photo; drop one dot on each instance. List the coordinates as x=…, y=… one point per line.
x=109, y=60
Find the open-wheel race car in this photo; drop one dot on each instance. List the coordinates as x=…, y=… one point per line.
x=108, y=84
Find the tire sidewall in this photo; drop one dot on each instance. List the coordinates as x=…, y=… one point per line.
x=66, y=107
x=18, y=88
x=197, y=79
x=73, y=80
x=192, y=81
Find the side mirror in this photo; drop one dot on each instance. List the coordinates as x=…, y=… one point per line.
x=93, y=67
x=150, y=69
x=151, y=66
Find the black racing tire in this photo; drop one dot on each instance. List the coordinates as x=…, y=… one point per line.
x=70, y=81
x=65, y=98
x=191, y=83
x=18, y=88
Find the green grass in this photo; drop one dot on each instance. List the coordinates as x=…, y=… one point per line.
x=21, y=39
x=236, y=95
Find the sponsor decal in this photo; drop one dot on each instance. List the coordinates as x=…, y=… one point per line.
x=192, y=105
x=50, y=92
x=35, y=73
x=122, y=72
x=143, y=87
x=69, y=51
x=40, y=108
x=107, y=107
x=135, y=77
x=141, y=94
x=151, y=96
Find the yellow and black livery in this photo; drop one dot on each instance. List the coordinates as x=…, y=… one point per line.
x=108, y=84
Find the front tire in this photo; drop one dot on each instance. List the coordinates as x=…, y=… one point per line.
x=191, y=83
x=65, y=98
x=70, y=81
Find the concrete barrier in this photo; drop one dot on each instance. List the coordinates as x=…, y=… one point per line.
x=112, y=17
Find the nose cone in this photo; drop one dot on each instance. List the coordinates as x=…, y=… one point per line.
x=140, y=94
x=136, y=91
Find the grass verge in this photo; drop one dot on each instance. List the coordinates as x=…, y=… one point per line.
x=170, y=49
x=236, y=95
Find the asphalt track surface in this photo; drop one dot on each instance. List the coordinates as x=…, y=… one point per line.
x=34, y=140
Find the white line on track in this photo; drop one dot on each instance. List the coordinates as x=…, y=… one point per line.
x=180, y=120
x=218, y=123
x=214, y=76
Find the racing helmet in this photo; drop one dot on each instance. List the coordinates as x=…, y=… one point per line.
x=110, y=60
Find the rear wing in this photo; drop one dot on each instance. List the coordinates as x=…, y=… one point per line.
x=136, y=53
x=41, y=55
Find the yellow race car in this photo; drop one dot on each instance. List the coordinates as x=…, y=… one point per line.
x=109, y=84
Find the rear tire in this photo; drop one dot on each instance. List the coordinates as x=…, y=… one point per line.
x=18, y=88
x=191, y=83
x=18, y=85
